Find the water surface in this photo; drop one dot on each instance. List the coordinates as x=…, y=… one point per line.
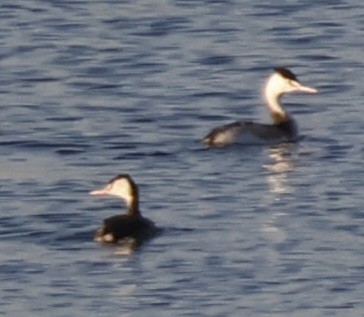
x=90, y=89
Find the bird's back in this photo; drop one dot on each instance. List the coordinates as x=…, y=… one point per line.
x=243, y=132
x=119, y=227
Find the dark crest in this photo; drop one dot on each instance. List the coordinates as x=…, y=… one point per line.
x=286, y=73
x=124, y=176
x=120, y=176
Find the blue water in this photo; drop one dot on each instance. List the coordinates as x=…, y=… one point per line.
x=90, y=89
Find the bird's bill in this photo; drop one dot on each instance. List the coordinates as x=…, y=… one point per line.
x=307, y=89
x=99, y=192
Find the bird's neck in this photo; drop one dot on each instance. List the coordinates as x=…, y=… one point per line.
x=280, y=117
x=277, y=113
x=133, y=207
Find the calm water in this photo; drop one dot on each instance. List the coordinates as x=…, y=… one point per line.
x=90, y=89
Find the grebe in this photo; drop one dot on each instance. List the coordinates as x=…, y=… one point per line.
x=284, y=126
x=129, y=225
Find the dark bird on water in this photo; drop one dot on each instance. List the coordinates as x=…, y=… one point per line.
x=131, y=225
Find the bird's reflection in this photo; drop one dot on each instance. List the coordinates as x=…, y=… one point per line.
x=128, y=246
x=280, y=165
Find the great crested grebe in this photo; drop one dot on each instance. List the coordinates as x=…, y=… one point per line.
x=129, y=225
x=284, y=126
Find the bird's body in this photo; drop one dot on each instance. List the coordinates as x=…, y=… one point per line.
x=131, y=225
x=247, y=132
x=119, y=227
x=284, y=127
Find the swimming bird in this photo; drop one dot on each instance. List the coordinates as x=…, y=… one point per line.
x=129, y=225
x=283, y=129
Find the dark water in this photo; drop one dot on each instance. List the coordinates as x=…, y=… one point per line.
x=90, y=89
